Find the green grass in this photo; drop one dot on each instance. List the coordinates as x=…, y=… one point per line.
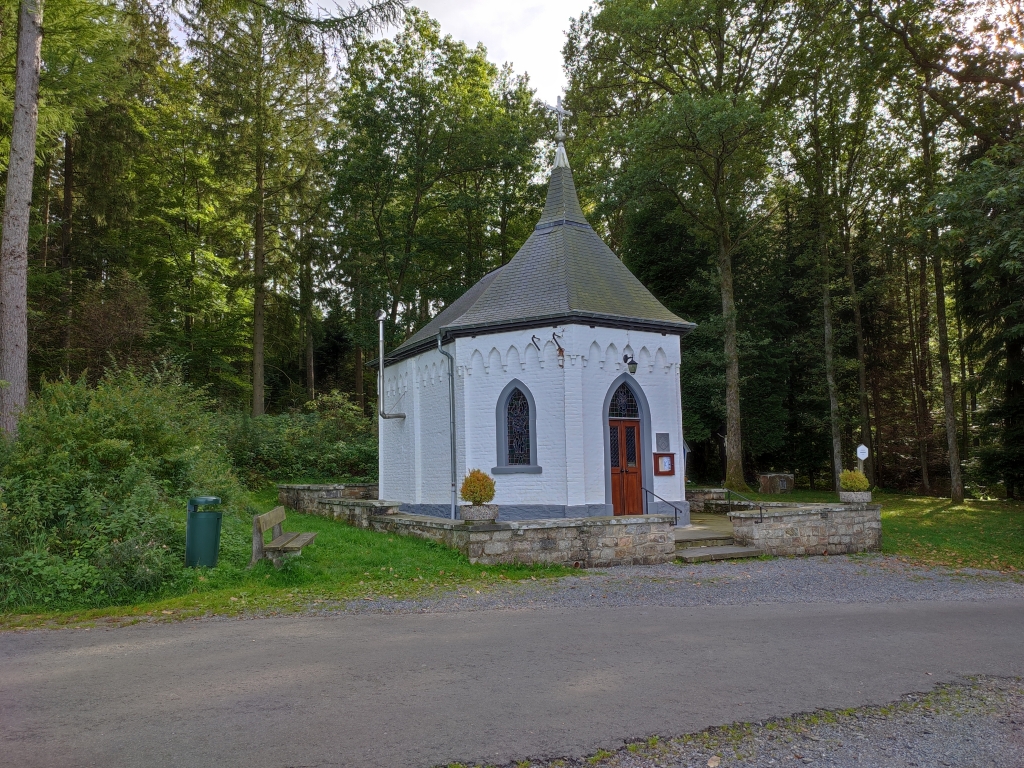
x=975, y=534
x=344, y=563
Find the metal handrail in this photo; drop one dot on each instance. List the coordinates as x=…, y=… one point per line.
x=677, y=509
x=728, y=498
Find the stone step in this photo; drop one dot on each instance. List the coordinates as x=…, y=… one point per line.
x=703, y=554
x=716, y=541
x=700, y=533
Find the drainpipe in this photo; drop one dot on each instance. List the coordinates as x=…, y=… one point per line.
x=380, y=372
x=451, y=413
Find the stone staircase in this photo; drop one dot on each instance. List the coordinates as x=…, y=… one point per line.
x=709, y=537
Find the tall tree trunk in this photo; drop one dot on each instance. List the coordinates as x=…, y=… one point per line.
x=357, y=365
x=956, y=483
x=920, y=405
x=68, y=203
x=259, y=299
x=66, y=253
x=307, y=316
x=830, y=373
x=876, y=399
x=733, y=442
x=862, y=374
x=45, y=250
x=964, y=383
x=1013, y=417
x=924, y=356
x=17, y=208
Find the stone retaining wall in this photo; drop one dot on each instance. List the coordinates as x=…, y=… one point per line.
x=697, y=497
x=585, y=542
x=810, y=529
x=304, y=498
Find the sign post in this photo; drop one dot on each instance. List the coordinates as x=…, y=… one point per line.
x=862, y=453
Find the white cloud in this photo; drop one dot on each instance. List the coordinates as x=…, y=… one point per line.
x=527, y=34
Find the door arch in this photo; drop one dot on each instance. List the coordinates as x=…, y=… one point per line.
x=645, y=470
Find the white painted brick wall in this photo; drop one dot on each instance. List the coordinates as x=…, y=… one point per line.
x=414, y=460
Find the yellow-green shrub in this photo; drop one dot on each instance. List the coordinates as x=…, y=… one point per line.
x=852, y=480
x=478, y=487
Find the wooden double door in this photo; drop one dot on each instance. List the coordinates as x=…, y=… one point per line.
x=624, y=454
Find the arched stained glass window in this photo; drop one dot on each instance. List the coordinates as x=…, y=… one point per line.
x=623, y=405
x=517, y=415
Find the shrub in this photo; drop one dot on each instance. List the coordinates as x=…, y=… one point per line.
x=477, y=487
x=92, y=491
x=330, y=439
x=852, y=480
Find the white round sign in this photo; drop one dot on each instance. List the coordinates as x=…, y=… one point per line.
x=862, y=452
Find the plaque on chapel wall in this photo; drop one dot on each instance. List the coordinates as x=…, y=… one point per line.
x=661, y=439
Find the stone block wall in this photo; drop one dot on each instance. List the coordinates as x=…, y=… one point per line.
x=305, y=498
x=818, y=529
x=697, y=497
x=588, y=542
x=775, y=482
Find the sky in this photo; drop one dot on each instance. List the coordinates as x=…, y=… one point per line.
x=528, y=34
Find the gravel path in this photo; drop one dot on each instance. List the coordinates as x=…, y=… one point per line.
x=975, y=725
x=844, y=579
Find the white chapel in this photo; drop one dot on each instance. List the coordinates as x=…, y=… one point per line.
x=557, y=374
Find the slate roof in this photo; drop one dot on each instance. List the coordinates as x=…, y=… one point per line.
x=563, y=273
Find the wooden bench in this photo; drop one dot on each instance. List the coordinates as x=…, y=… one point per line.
x=281, y=543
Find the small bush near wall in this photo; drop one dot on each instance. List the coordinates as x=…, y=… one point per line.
x=330, y=439
x=92, y=492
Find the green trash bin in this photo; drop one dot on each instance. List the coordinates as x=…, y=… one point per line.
x=202, y=532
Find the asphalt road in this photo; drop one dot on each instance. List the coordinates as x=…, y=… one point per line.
x=488, y=686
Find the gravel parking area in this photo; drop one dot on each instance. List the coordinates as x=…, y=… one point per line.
x=843, y=579
x=979, y=724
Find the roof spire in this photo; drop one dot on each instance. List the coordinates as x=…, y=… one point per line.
x=561, y=159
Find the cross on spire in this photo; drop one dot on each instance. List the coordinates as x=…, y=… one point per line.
x=560, y=113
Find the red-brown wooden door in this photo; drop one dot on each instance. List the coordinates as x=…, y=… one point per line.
x=624, y=445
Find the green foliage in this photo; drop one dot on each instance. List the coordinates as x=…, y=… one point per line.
x=477, y=487
x=329, y=439
x=94, y=487
x=432, y=163
x=852, y=480
x=983, y=210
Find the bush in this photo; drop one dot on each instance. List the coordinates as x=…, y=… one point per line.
x=330, y=439
x=852, y=480
x=92, y=491
x=477, y=488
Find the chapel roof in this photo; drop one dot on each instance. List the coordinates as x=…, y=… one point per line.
x=563, y=273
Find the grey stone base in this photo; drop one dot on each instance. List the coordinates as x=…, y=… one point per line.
x=582, y=542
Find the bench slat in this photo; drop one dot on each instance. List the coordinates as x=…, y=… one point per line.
x=270, y=519
x=281, y=541
x=298, y=542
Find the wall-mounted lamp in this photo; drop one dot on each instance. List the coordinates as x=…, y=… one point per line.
x=630, y=363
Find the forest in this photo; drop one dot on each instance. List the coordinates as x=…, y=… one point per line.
x=225, y=192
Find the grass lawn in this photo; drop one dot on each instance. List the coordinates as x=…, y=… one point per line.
x=344, y=563
x=976, y=534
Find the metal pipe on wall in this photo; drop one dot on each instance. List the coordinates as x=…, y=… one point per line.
x=380, y=371
x=451, y=417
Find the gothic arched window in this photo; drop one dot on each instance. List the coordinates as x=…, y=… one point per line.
x=517, y=428
x=623, y=405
